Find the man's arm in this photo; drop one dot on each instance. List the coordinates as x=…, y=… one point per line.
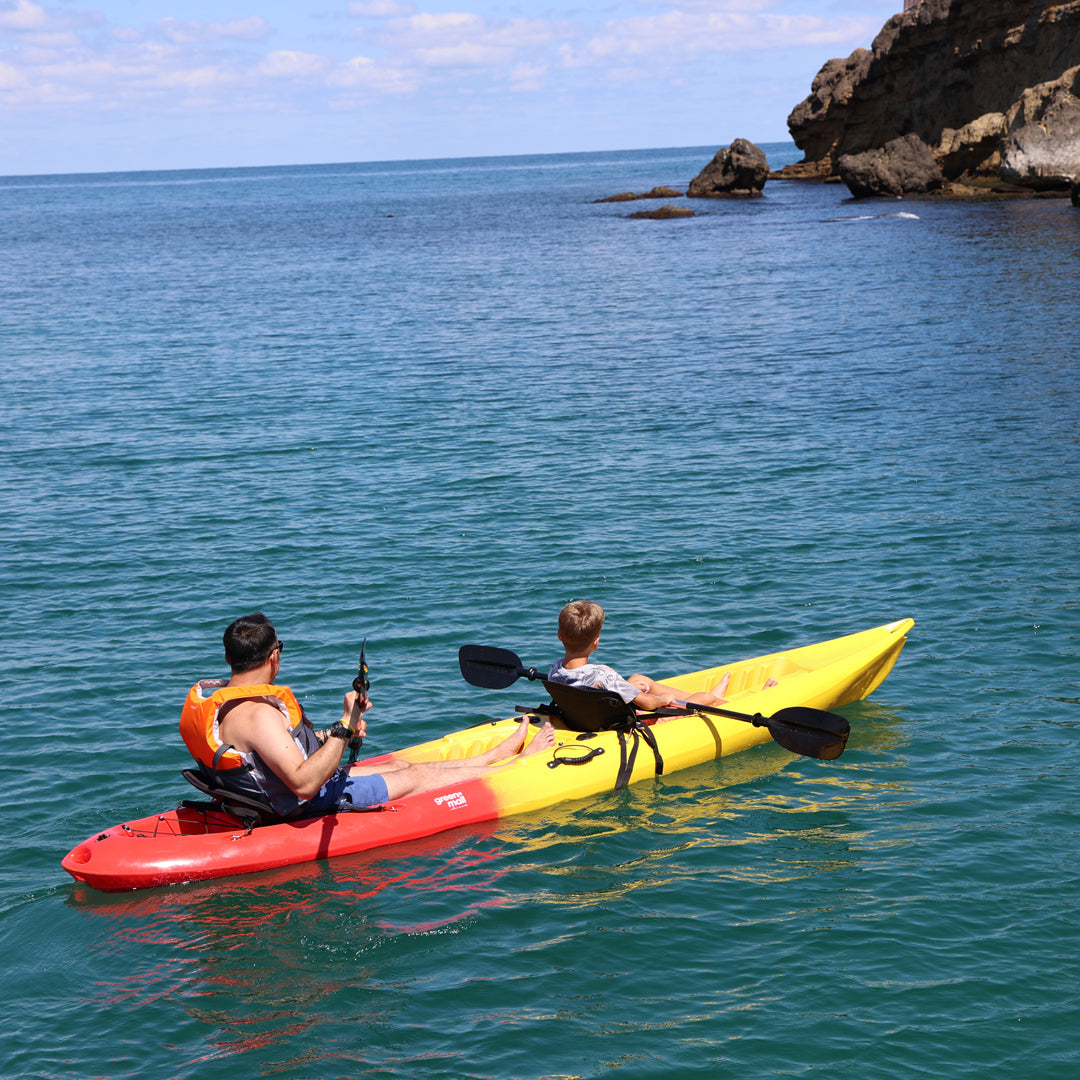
x=256, y=726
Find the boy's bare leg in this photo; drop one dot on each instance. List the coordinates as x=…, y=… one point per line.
x=715, y=696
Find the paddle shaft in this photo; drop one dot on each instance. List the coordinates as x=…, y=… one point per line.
x=361, y=684
x=757, y=719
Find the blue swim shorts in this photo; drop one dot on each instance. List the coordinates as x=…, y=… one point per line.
x=345, y=791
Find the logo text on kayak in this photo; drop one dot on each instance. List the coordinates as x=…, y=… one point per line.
x=454, y=801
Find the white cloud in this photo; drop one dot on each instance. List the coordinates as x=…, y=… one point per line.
x=190, y=31
x=73, y=54
x=466, y=40
x=23, y=15
x=450, y=20
x=679, y=35
x=525, y=77
x=10, y=77
x=380, y=9
x=29, y=26
x=465, y=54
x=288, y=64
x=361, y=73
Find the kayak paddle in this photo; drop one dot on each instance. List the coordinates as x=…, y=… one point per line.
x=810, y=732
x=361, y=684
x=802, y=730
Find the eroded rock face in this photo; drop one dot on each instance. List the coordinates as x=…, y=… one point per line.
x=817, y=123
x=966, y=77
x=739, y=170
x=974, y=150
x=900, y=167
x=1044, y=152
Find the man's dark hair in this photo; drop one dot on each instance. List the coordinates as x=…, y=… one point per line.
x=249, y=641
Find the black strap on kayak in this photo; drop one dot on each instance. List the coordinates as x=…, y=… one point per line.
x=629, y=738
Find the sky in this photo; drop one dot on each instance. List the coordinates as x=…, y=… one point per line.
x=119, y=85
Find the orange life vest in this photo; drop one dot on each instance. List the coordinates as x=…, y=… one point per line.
x=207, y=704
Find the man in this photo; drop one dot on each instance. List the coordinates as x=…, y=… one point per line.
x=253, y=736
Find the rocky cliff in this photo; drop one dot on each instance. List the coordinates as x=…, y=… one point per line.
x=990, y=87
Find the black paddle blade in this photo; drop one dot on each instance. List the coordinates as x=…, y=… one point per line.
x=815, y=719
x=824, y=745
x=484, y=665
x=361, y=684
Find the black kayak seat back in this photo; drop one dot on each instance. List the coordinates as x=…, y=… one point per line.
x=588, y=708
x=250, y=810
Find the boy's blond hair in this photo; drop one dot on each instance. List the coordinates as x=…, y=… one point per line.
x=579, y=623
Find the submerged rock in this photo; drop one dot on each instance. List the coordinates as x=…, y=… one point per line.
x=664, y=212
x=655, y=193
x=740, y=170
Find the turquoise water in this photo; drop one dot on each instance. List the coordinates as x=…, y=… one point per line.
x=428, y=403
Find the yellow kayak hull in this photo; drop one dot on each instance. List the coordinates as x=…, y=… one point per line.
x=826, y=675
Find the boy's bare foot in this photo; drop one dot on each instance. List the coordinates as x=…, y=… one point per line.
x=720, y=689
x=770, y=682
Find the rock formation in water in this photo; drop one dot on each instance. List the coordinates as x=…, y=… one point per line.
x=663, y=213
x=900, y=166
x=631, y=196
x=989, y=89
x=739, y=170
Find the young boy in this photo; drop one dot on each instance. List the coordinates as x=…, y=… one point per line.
x=579, y=631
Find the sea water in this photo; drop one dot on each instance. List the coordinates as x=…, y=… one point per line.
x=426, y=404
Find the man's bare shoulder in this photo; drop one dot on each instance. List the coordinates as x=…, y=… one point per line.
x=249, y=720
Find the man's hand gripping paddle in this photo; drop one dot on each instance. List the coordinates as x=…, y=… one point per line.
x=361, y=684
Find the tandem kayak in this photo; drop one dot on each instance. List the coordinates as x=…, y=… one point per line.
x=200, y=841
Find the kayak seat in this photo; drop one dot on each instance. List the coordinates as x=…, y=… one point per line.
x=588, y=708
x=251, y=811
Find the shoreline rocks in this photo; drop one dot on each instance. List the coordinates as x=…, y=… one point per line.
x=1044, y=153
x=739, y=171
x=901, y=166
x=990, y=89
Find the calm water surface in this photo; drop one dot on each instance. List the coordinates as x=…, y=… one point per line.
x=428, y=403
